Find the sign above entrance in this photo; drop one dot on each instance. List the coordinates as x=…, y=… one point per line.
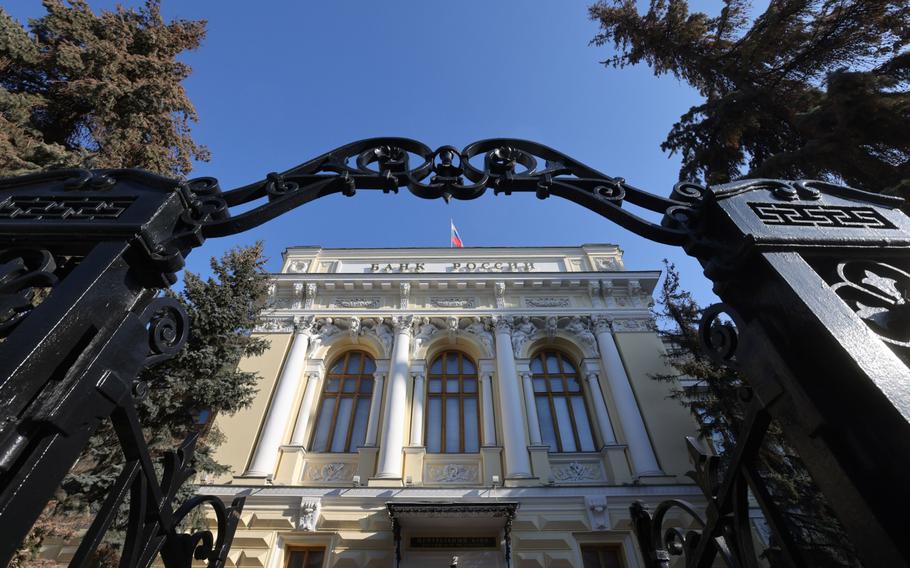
x=453, y=542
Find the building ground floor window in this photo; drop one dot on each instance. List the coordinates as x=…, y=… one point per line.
x=305, y=557
x=601, y=556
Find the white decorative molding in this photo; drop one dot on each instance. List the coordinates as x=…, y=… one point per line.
x=308, y=514
x=297, y=301
x=499, y=290
x=480, y=329
x=274, y=325
x=547, y=302
x=598, y=512
x=607, y=264
x=522, y=331
x=333, y=472
x=310, y=295
x=298, y=266
x=370, y=303
x=581, y=328
x=452, y=302
x=633, y=325
x=405, y=294
x=426, y=329
x=453, y=473
x=575, y=471
x=378, y=328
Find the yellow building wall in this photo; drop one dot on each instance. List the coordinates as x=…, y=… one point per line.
x=666, y=420
x=242, y=428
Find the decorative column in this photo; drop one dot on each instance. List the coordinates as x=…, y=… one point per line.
x=390, y=459
x=531, y=410
x=486, y=393
x=518, y=464
x=417, y=403
x=375, y=405
x=265, y=456
x=306, y=407
x=643, y=459
x=600, y=410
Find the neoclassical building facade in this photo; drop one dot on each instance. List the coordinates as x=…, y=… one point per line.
x=491, y=404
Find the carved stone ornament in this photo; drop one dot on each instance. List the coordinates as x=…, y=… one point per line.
x=547, y=302
x=426, y=329
x=607, y=264
x=480, y=329
x=308, y=515
x=453, y=473
x=453, y=302
x=632, y=325
x=274, y=325
x=499, y=290
x=577, y=471
x=522, y=332
x=357, y=303
x=310, y=295
x=382, y=331
x=581, y=329
x=602, y=323
x=329, y=472
x=405, y=295
x=298, y=266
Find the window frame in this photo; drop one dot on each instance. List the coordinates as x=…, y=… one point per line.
x=602, y=547
x=340, y=394
x=561, y=357
x=443, y=396
x=307, y=549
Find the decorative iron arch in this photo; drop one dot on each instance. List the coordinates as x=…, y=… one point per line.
x=802, y=267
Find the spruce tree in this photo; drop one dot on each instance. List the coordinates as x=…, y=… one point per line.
x=79, y=89
x=807, y=89
x=96, y=90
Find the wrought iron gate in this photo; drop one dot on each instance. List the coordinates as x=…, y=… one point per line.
x=815, y=276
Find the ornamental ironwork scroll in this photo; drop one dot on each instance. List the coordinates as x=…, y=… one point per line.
x=815, y=274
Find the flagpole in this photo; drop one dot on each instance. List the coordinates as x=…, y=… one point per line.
x=451, y=224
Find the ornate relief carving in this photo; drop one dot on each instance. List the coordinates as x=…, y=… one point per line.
x=378, y=328
x=577, y=471
x=328, y=472
x=310, y=295
x=298, y=266
x=453, y=473
x=452, y=302
x=580, y=327
x=425, y=332
x=602, y=324
x=308, y=515
x=522, y=333
x=274, y=325
x=607, y=264
x=548, y=302
x=481, y=330
x=357, y=303
x=297, y=300
x=403, y=324
x=632, y=325
x=499, y=290
x=405, y=295
x=503, y=324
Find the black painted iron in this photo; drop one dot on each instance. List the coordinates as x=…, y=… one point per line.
x=815, y=276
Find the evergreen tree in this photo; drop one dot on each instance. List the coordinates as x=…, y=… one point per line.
x=807, y=89
x=713, y=394
x=103, y=91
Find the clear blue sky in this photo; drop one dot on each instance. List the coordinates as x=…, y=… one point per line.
x=276, y=83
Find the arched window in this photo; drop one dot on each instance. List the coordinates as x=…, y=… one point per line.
x=344, y=409
x=453, y=421
x=564, y=423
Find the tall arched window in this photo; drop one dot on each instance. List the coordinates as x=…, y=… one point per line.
x=564, y=423
x=344, y=408
x=453, y=421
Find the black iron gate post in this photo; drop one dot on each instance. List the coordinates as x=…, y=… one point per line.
x=815, y=276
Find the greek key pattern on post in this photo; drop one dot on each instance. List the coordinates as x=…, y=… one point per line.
x=835, y=216
x=56, y=208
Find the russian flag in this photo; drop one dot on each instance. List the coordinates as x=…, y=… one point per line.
x=456, y=240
